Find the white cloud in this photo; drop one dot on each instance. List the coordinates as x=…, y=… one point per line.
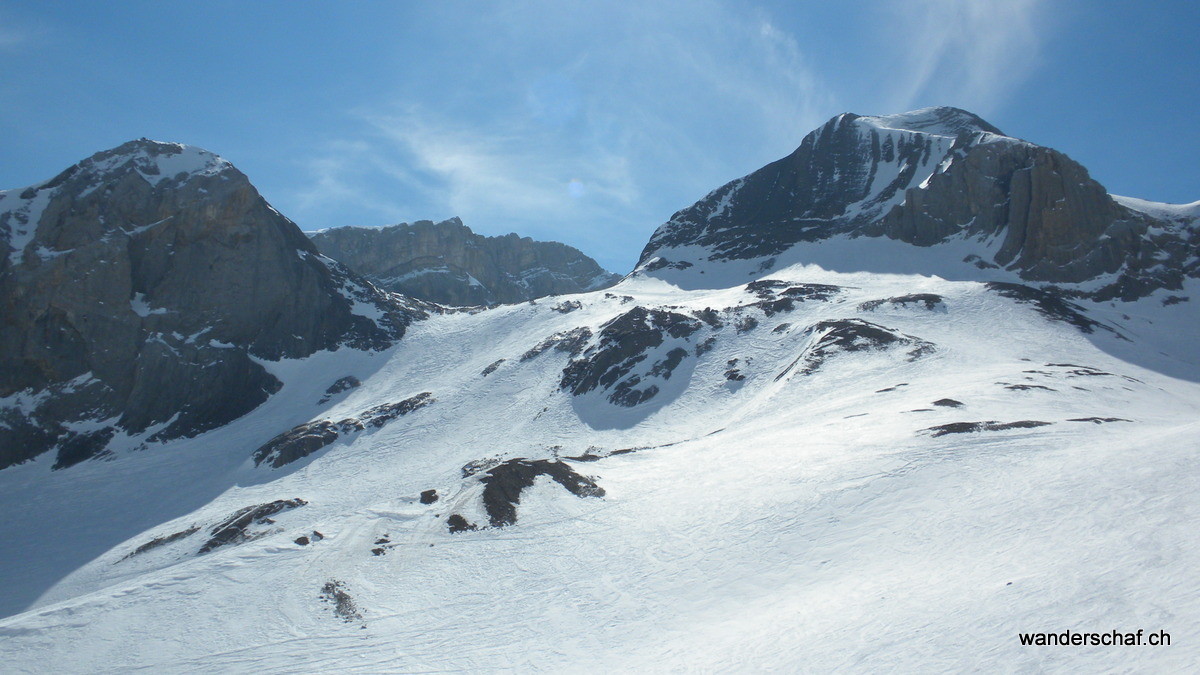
x=579, y=122
x=340, y=176
x=590, y=123
x=969, y=53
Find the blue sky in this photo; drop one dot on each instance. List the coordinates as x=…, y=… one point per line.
x=588, y=123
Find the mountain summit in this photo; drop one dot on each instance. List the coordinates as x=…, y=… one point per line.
x=139, y=288
x=935, y=121
x=934, y=177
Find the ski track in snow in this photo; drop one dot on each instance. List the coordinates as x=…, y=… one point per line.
x=762, y=528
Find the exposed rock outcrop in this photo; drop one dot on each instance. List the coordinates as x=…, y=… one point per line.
x=839, y=336
x=304, y=439
x=615, y=362
x=449, y=264
x=138, y=287
x=236, y=528
x=990, y=425
x=503, y=483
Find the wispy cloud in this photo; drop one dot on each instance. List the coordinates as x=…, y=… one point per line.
x=577, y=123
x=968, y=52
x=345, y=174
x=584, y=124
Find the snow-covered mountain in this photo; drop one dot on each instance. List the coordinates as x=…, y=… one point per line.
x=449, y=264
x=140, y=290
x=772, y=446
x=992, y=207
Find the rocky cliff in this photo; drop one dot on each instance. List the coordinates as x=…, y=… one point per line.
x=449, y=264
x=932, y=176
x=141, y=288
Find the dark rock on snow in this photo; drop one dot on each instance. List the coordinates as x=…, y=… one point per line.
x=456, y=523
x=571, y=342
x=305, y=439
x=853, y=335
x=622, y=345
x=1027, y=387
x=972, y=427
x=929, y=300
x=492, y=367
x=236, y=528
x=163, y=541
x=334, y=593
x=342, y=384
x=1049, y=304
x=503, y=485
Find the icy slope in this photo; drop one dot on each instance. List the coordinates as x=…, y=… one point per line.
x=814, y=470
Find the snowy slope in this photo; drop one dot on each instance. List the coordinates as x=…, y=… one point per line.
x=794, y=498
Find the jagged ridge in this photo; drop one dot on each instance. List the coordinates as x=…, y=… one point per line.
x=449, y=264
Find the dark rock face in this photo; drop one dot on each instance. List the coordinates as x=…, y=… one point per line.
x=503, y=485
x=299, y=442
x=305, y=439
x=163, y=541
x=931, y=301
x=848, y=172
x=456, y=523
x=1049, y=304
x=571, y=342
x=929, y=176
x=972, y=427
x=342, y=384
x=137, y=286
x=852, y=335
x=778, y=296
x=236, y=528
x=78, y=447
x=623, y=344
x=449, y=264
x=1057, y=223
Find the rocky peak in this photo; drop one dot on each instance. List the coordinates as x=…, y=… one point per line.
x=935, y=121
x=155, y=161
x=928, y=177
x=852, y=170
x=449, y=264
x=140, y=286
